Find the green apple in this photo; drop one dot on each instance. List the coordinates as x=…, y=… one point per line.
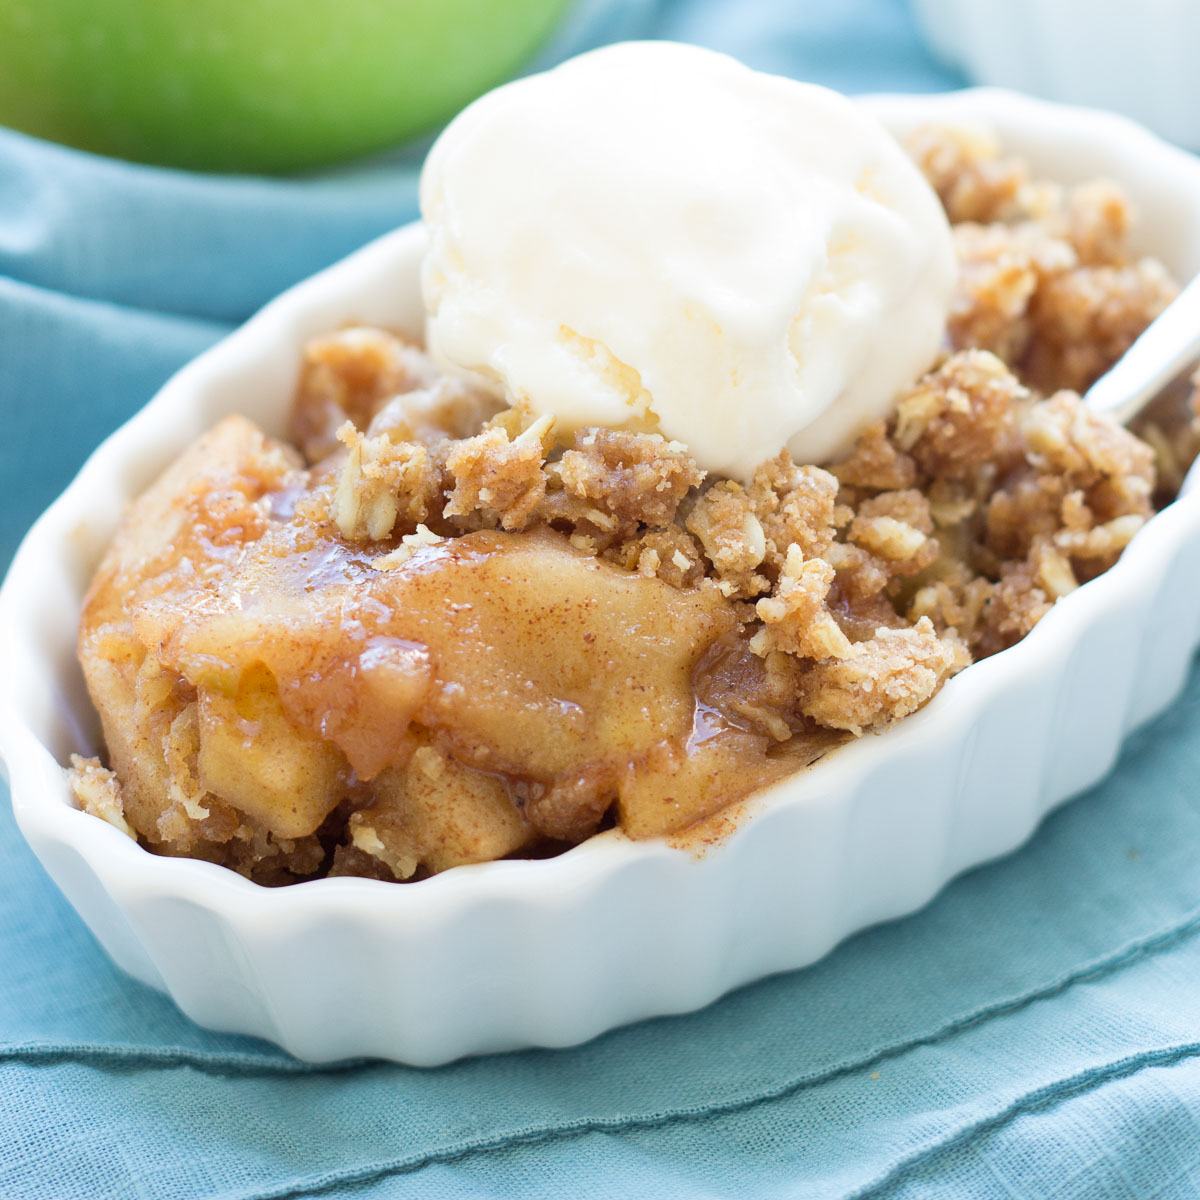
x=253, y=85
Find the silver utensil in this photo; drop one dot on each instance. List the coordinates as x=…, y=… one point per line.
x=1168, y=346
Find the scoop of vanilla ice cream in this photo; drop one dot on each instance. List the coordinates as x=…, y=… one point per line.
x=654, y=236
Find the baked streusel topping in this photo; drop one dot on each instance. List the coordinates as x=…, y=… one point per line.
x=426, y=631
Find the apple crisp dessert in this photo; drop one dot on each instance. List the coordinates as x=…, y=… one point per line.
x=424, y=631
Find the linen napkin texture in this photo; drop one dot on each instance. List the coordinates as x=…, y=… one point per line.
x=1035, y=1032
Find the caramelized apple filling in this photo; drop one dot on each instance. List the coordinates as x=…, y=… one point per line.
x=429, y=633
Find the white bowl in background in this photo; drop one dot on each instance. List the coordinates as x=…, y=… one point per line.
x=552, y=952
x=1137, y=59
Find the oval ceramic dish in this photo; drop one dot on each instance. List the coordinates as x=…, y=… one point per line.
x=550, y=953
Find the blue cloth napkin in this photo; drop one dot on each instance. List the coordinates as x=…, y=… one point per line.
x=1033, y=1033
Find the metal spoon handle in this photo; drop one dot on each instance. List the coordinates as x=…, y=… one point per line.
x=1168, y=346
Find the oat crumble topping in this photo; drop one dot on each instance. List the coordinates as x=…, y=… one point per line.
x=438, y=633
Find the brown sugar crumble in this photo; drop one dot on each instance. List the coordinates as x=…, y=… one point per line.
x=431, y=631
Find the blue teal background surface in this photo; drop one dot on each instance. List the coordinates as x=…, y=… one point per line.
x=1033, y=1033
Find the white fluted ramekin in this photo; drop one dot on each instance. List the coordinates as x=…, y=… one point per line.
x=1132, y=58
x=550, y=953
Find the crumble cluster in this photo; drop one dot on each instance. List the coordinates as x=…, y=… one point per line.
x=1046, y=278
